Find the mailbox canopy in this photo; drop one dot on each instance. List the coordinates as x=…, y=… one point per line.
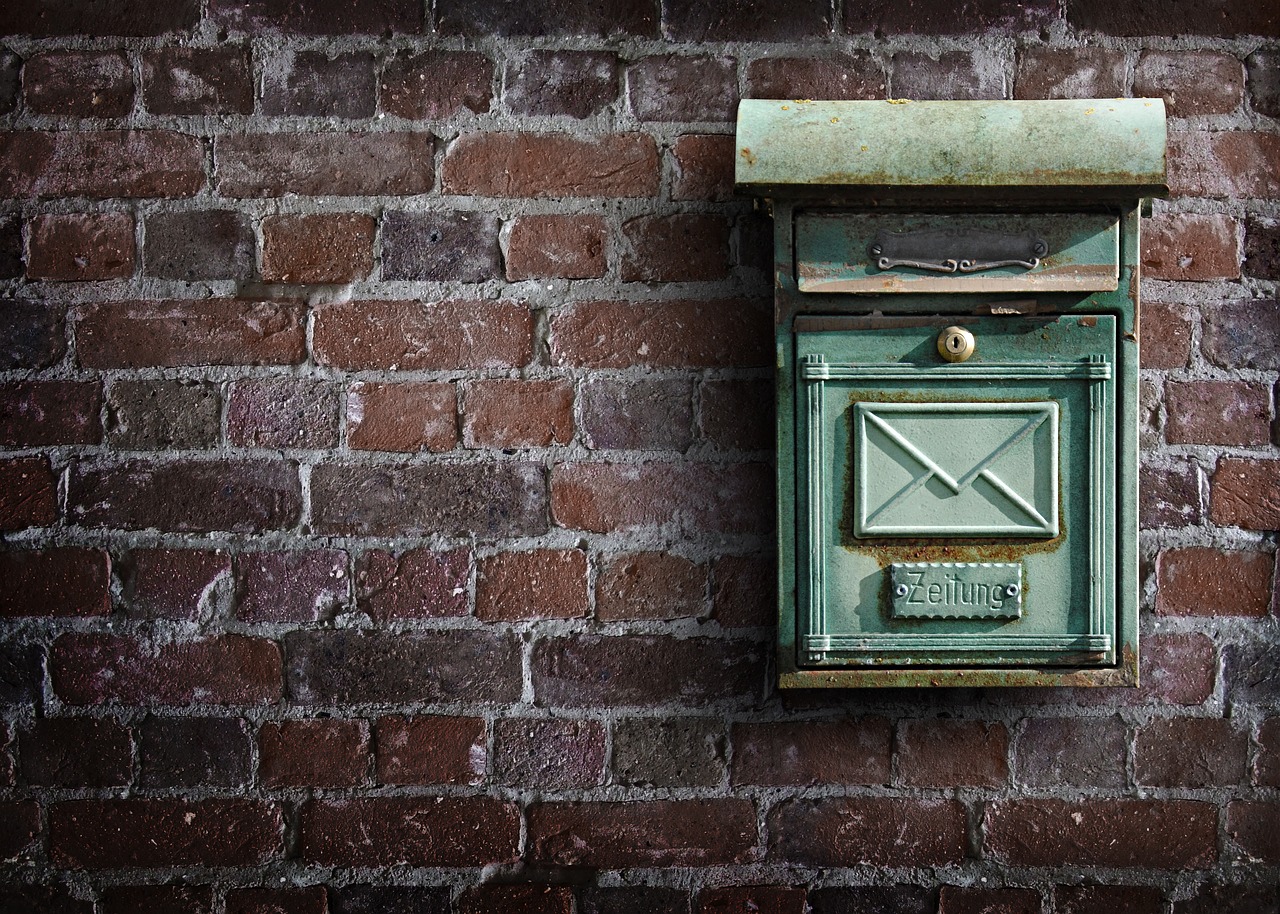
x=1094, y=148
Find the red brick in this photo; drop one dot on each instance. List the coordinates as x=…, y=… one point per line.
x=749, y=899
x=1252, y=825
x=489, y=501
x=100, y=165
x=650, y=585
x=28, y=493
x=407, y=418
x=157, y=899
x=548, y=754
x=186, y=497
x=312, y=899
x=1224, y=165
x=673, y=334
x=342, y=667
x=90, y=669
x=675, y=248
x=103, y=834
x=550, y=165
x=418, y=831
x=61, y=581
x=78, y=84
x=565, y=83
x=510, y=413
x=672, y=751
x=645, y=670
x=1008, y=17
x=437, y=84
x=849, y=751
x=431, y=750
x=35, y=413
x=1108, y=899
x=1177, y=669
x=516, y=899
x=180, y=80
x=605, y=497
x=1228, y=898
x=19, y=826
x=127, y=18
x=1190, y=752
x=413, y=336
x=194, y=752
x=743, y=591
x=1244, y=334
x=79, y=247
x=738, y=414
x=1166, y=336
x=676, y=87
x=1072, y=752
x=945, y=753
x=1150, y=421
x=1086, y=72
x=1191, y=83
x=547, y=18
x=849, y=77
x=642, y=833
x=1246, y=493
x=173, y=583
x=290, y=586
x=76, y=752
x=1169, y=17
x=1191, y=247
x=647, y=414
x=419, y=584
x=970, y=900
x=324, y=164
x=632, y=899
x=949, y=75
x=1266, y=766
x=1158, y=834
x=168, y=334
x=330, y=247
x=538, y=584
x=458, y=246
x=313, y=753
x=1202, y=581
x=317, y=17
x=870, y=831
x=1170, y=495
x=746, y=20
x=314, y=83
x=703, y=167
x=284, y=413
x=557, y=247
x=1218, y=412
x=874, y=899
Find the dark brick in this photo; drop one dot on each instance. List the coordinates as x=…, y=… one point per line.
x=557, y=247
x=1160, y=834
x=669, y=752
x=1264, y=81
x=291, y=586
x=1224, y=165
x=675, y=248
x=324, y=248
x=872, y=831
x=126, y=18
x=32, y=335
x=384, y=899
x=872, y=899
x=419, y=831
x=1227, y=18
x=157, y=899
x=319, y=84
x=1192, y=83
x=81, y=247
x=949, y=75
x=1246, y=493
x=324, y=164
x=703, y=167
x=194, y=752
x=738, y=414
x=188, y=497
x=673, y=87
x=642, y=833
x=76, y=752
x=441, y=247
x=437, y=84
x=766, y=899
x=92, y=669
x=313, y=753
x=1190, y=752
x=938, y=753
x=850, y=77
x=648, y=414
x=407, y=418
x=10, y=80
x=550, y=165
x=1202, y=581
x=419, y=584
x=672, y=334
x=1214, y=898
x=19, y=826
x=179, y=80
x=567, y=83
x=1262, y=248
x=11, y=251
x=1243, y=334
x=1166, y=336
x=1108, y=899
x=96, y=834
x=351, y=667
x=547, y=17
x=21, y=673
x=1072, y=752
x=410, y=335
x=971, y=900
x=532, y=584
x=160, y=415
x=1190, y=247
x=632, y=899
x=650, y=585
x=924, y=17
x=431, y=750
x=548, y=754
x=196, y=246
x=743, y=591
x=311, y=899
x=849, y=751
x=317, y=17
x=1178, y=669
x=285, y=413
x=1252, y=825
x=100, y=165
x=516, y=899
x=514, y=413
x=1169, y=496
x=8, y=747
x=1085, y=72
x=1266, y=766
x=167, y=334
x=1250, y=671
x=745, y=20
x=173, y=583
x=35, y=413
x=28, y=493
x=645, y=670
x=78, y=83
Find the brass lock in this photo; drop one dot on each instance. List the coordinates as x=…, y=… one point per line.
x=955, y=344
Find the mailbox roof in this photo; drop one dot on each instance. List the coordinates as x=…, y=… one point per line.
x=1104, y=148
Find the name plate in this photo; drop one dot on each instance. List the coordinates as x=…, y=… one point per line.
x=956, y=590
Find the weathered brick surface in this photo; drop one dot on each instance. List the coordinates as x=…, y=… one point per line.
x=674, y=87
x=742, y=591
x=632, y=900
x=1218, y=412
x=76, y=752
x=676, y=334
x=60, y=581
x=934, y=753
x=1263, y=68
x=1246, y=493
x=194, y=752
x=155, y=415
x=947, y=75
x=1190, y=752
x=32, y=335
x=437, y=85
x=1243, y=334
x=313, y=753
x=1262, y=248
x=109, y=163
x=402, y=417
x=34, y=413
x=545, y=165
x=971, y=900
x=872, y=831
x=1191, y=83
x=1227, y=164
x=198, y=81
x=28, y=493
x=768, y=899
x=1071, y=752
x=1252, y=826
x=1169, y=495
x=207, y=244
x=548, y=18
x=282, y=414
x=849, y=77
x=874, y=899
x=852, y=751
x=419, y=584
x=703, y=167
x=343, y=164
x=557, y=247
x=1070, y=73
x=290, y=586
x=317, y=249
x=548, y=754
x=516, y=899
x=675, y=248
x=440, y=247
x=11, y=249
x=671, y=752
x=924, y=18
x=1104, y=899
x=537, y=584
x=78, y=84
x=1168, y=17
x=434, y=749
x=517, y=413
x=1191, y=247
x=650, y=585
x=1166, y=335
x=317, y=17
x=169, y=899
x=21, y=819
x=81, y=247
x=1201, y=581
x=172, y=583
x=1220, y=898
x=131, y=18
x=738, y=414
x=635, y=415
x=308, y=900
x=567, y=83
x=321, y=84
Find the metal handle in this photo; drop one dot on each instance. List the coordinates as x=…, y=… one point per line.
x=952, y=251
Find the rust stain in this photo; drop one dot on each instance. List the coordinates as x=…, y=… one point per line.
x=1088, y=321
x=748, y=155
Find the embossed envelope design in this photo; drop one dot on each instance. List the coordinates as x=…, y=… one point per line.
x=955, y=469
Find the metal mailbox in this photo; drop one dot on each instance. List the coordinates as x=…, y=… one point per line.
x=956, y=317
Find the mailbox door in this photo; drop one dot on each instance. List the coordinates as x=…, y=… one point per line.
x=955, y=514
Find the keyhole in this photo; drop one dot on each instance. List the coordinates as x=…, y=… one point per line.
x=955, y=344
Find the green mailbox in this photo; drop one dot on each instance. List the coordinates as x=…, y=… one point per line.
x=956, y=319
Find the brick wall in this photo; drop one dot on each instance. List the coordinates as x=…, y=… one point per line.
x=384, y=396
